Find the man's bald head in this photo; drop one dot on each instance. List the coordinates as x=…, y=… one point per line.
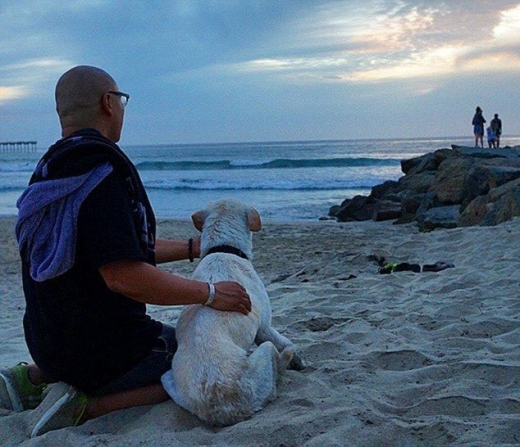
x=81, y=98
x=81, y=88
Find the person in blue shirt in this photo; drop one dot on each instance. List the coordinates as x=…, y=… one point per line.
x=478, y=127
x=490, y=137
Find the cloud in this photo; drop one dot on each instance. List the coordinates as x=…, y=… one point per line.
x=508, y=30
x=29, y=77
x=396, y=33
x=490, y=61
x=191, y=62
x=14, y=92
x=301, y=41
x=376, y=42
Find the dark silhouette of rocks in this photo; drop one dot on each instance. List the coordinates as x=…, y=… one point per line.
x=448, y=188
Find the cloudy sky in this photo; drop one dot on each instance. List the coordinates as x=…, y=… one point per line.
x=267, y=70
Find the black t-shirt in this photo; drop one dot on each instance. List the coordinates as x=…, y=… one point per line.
x=77, y=330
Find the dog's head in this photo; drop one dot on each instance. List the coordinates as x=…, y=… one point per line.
x=227, y=222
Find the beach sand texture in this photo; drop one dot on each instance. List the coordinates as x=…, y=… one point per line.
x=405, y=359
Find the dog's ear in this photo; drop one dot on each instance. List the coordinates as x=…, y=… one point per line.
x=198, y=219
x=253, y=220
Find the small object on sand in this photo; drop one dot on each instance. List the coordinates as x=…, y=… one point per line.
x=401, y=267
x=406, y=267
x=437, y=267
x=392, y=267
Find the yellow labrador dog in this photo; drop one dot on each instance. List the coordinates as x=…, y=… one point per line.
x=213, y=375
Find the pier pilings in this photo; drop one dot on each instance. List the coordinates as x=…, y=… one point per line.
x=17, y=146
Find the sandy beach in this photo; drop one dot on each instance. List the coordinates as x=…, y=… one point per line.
x=404, y=359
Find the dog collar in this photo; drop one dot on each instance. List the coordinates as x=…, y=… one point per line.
x=227, y=249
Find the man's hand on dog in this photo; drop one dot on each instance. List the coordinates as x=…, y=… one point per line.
x=231, y=296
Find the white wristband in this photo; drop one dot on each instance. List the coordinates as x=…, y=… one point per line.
x=211, y=296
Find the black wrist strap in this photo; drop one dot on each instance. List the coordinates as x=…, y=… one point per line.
x=190, y=249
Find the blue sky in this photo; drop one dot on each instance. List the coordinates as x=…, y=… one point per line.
x=266, y=70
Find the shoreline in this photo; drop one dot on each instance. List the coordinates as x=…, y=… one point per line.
x=401, y=359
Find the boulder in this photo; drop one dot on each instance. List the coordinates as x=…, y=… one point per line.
x=450, y=179
x=417, y=183
x=410, y=202
x=476, y=152
x=333, y=210
x=429, y=201
x=481, y=178
x=474, y=212
x=412, y=164
x=358, y=208
x=500, y=172
x=387, y=210
x=501, y=204
x=382, y=190
x=440, y=217
x=505, y=208
x=427, y=162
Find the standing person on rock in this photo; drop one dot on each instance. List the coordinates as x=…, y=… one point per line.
x=496, y=125
x=478, y=127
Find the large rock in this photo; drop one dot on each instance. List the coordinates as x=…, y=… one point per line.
x=413, y=165
x=440, y=217
x=475, y=152
x=500, y=171
x=410, y=202
x=450, y=179
x=484, y=177
x=417, y=183
x=358, y=208
x=461, y=179
x=504, y=209
x=500, y=205
x=428, y=202
x=427, y=162
x=382, y=190
x=387, y=210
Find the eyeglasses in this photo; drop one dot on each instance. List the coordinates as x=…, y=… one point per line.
x=124, y=97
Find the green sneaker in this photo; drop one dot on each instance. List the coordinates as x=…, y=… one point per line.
x=63, y=406
x=17, y=393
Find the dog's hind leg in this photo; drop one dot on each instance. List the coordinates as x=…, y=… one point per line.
x=269, y=333
x=262, y=373
x=286, y=358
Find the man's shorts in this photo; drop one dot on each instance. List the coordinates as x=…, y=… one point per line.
x=150, y=370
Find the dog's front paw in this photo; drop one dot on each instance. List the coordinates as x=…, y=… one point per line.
x=296, y=364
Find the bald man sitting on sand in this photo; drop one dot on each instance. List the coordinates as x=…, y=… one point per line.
x=86, y=234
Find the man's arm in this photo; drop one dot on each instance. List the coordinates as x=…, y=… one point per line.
x=169, y=250
x=148, y=284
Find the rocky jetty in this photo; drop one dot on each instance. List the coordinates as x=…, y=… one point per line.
x=448, y=188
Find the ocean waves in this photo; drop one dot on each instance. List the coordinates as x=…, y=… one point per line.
x=277, y=174
x=16, y=167
x=280, y=163
x=257, y=184
x=296, y=180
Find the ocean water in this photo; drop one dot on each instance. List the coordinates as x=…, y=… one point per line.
x=284, y=181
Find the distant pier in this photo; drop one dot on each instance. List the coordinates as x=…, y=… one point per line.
x=17, y=146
